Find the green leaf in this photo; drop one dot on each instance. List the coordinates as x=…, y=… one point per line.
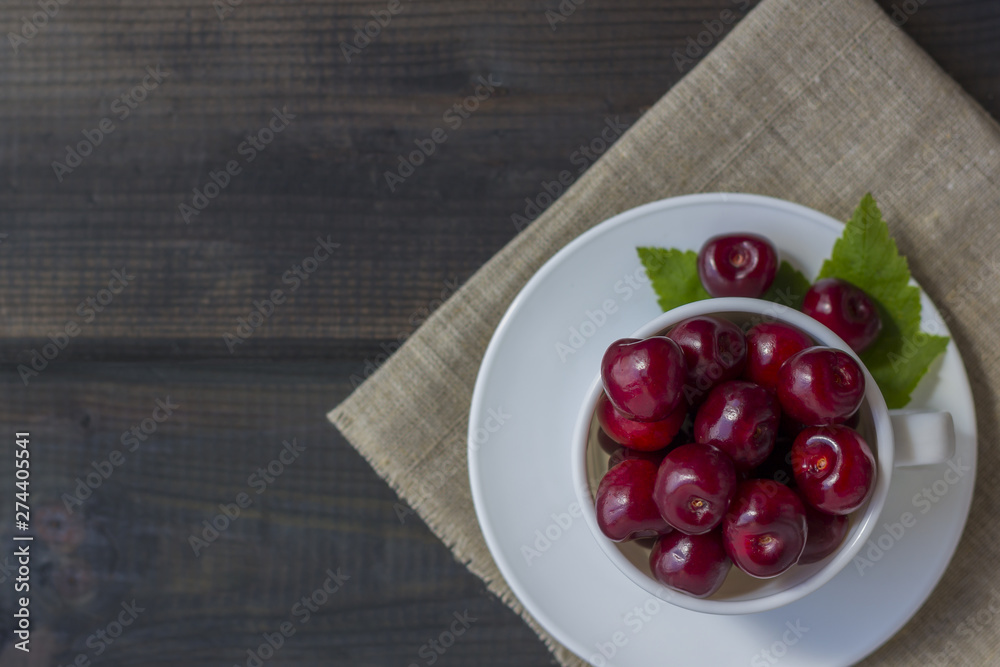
x=897, y=364
x=674, y=275
x=867, y=256
x=789, y=287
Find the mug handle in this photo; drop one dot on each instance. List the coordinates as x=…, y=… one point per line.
x=922, y=438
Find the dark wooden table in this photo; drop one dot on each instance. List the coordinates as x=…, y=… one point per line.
x=201, y=254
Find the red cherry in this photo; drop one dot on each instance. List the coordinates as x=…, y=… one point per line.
x=834, y=468
x=625, y=507
x=847, y=310
x=693, y=488
x=737, y=265
x=740, y=418
x=820, y=385
x=644, y=378
x=715, y=351
x=693, y=564
x=825, y=533
x=640, y=435
x=769, y=345
x=764, y=532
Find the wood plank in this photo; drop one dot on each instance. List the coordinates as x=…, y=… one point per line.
x=324, y=510
x=325, y=174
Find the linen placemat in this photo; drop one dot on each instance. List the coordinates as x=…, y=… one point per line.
x=816, y=102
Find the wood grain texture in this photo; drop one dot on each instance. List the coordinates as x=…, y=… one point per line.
x=323, y=510
x=399, y=253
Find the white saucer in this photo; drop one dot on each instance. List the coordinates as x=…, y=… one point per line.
x=526, y=399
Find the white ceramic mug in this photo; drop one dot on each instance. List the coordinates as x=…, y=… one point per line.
x=898, y=438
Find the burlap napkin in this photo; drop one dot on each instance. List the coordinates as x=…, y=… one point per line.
x=816, y=102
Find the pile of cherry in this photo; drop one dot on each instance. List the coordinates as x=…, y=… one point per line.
x=737, y=447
